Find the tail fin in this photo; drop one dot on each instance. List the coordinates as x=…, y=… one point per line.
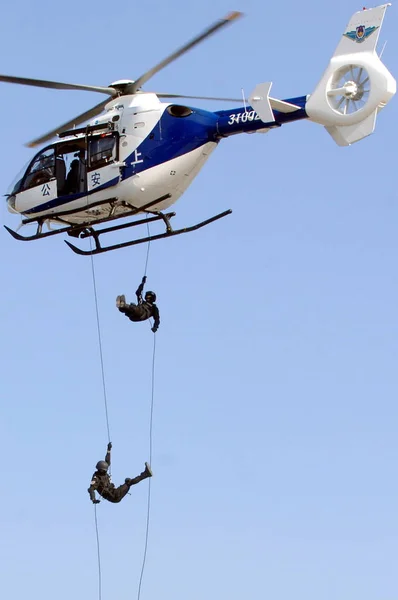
x=363, y=29
x=356, y=84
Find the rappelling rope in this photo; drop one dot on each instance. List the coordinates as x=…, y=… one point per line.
x=148, y=247
x=98, y=319
x=98, y=555
x=150, y=462
x=148, y=513
x=108, y=428
x=100, y=345
x=106, y=411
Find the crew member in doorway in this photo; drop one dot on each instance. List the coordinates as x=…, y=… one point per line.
x=72, y=179
x=101, y=481
x=145, y=309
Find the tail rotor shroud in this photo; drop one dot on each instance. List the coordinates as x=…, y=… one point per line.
x=349, y=89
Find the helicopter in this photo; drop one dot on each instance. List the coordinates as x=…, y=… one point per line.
x=141, y=154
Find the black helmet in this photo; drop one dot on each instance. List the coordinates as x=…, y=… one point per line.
x=150, y=297
x=102, y=466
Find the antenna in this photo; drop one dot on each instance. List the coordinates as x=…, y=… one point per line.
x=382, y=50
x=244, y=100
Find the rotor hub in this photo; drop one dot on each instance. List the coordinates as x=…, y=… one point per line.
x=349, y=89
x=122, y=85
x=352, y=91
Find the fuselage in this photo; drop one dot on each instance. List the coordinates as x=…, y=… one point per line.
x=141, y=149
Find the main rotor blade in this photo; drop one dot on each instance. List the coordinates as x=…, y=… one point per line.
x=199, y=97
x=76, y=121
x=280, y=105
x=196, y=40
x=57, y=85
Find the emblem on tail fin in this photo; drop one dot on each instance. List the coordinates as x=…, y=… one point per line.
x=360, y=34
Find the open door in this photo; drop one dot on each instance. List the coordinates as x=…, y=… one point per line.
x=70, y=168
x=103, y=166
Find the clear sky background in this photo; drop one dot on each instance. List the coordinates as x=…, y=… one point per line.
x=275, y=419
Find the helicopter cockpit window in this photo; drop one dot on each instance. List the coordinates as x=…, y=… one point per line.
x=16, y=184
x=102, y=151
x=41, y=170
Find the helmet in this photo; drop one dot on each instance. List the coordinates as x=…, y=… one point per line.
x=150, y=297
x=102, y=466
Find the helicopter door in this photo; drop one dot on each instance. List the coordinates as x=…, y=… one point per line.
x=39, y=185
x=70, y=168
x=103, y=167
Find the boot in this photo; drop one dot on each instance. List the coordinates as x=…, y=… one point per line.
x=120, y=302
x=147, y=472
x=144, y=475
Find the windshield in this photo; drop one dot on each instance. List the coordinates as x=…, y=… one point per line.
x=14, y=186
x=41, y=170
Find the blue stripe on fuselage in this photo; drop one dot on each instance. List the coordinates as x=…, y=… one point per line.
x=172, y=137
x=245, y=119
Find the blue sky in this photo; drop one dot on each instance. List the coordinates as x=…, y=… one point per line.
x=275, y=419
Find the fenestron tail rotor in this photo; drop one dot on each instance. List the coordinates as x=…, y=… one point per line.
x=349, y=89
x=128, y=87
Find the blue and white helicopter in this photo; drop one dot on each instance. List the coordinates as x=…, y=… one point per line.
x=142, y=154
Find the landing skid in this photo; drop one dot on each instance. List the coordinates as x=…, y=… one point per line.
x=170, y=232
x=85, y=230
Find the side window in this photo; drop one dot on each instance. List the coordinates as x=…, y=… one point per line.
x=102, y=151
x=41, y=170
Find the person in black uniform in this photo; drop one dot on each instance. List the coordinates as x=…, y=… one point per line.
x=145, y=309
x=101, y=481
x=72, y=179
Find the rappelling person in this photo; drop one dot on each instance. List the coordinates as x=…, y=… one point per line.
x=101, y=481
x=145, y=309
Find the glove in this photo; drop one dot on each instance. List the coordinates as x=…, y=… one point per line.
x=144, y=279
x=109, y=446
x=154, y=329
x=96, y=501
